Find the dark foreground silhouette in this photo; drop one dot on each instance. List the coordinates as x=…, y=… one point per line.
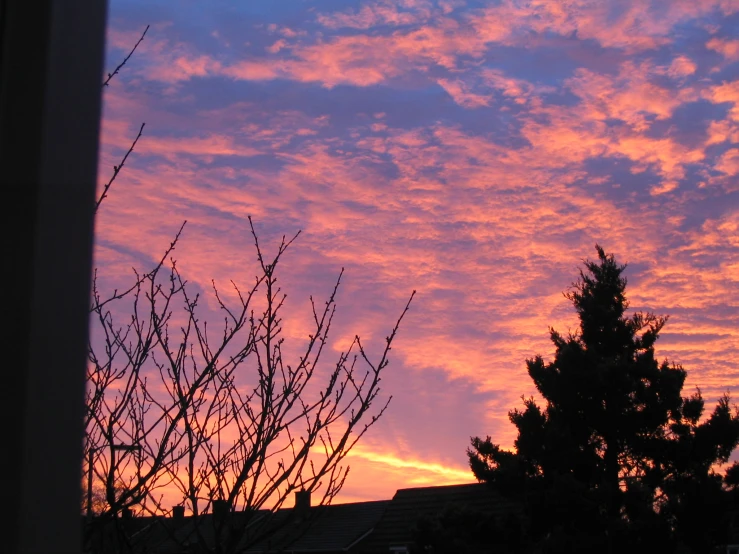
x=615, y=458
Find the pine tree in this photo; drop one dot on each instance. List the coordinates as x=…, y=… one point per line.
x=616, y=456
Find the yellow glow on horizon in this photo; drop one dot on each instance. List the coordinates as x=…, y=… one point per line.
x=448, y=474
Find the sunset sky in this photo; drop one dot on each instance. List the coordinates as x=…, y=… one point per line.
x=474, y=151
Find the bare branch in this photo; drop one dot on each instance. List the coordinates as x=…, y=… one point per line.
x=117, y=169
x=120, y=65
x=224, y=416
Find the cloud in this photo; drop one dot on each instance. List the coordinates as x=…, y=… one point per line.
x=635, y=26
x=174, y=61
x=212, y=145
x=728, y=48
x=519, y=90
x=726, y=93
x=729, y=162
x=722, y=131
x=435, y=473
x=430, y=38
x=681, y=66
x=458, y=90
x=631, y=96
x=374, y=14
x=583, y=125
x=277, y=46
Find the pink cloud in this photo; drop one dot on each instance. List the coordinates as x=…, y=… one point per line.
x=667, y=155
x=637, y=26
x=404, y=244
x=726, y=93
x=459, y=91
x=371, y=15
x=364, y=60
x=347, y=60
x=173, y=62
x=520, y=90
x=722, y=131
x=729, y=162
x=728, y=48
x=489, y=224
x=448, y=6
x=213, y=145
x=254, y=70
x=277, y=46
x=632, y=96
x=681, y=66
x=729, y=7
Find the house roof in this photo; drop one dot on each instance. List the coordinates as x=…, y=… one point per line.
x=191, y=531
x=143, y=533
x=408, y=505
x=360, y=527
x=334, y=528
x=324, y=529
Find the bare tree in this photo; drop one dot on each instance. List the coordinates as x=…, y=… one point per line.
x=231, y=417
x=225, y=415
x=103, y=380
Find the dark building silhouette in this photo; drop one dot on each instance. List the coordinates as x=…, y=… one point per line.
x=374, y=527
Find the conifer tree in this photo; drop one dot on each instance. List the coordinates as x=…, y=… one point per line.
x=615, y=456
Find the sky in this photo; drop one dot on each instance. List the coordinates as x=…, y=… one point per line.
x=473, y=151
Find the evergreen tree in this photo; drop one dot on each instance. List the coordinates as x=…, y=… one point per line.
x=616, y=457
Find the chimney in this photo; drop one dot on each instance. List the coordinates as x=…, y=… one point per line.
x=178, y=513
x=127, y=513
x=220, y=509
x=302, y=504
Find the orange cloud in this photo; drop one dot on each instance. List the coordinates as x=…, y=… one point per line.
x=371, y=15
x=729, y=162
x=636, y=26
x=726, y=93
x=681, y=66
x=722, y=131
x=667, y=155
x=426, y=472
x=433, y=38
x=487, y=217
x=728, y=48
x=213, y=145
x=520, y=90
x=631, y=96
x=462, y=96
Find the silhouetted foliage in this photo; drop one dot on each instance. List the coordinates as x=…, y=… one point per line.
x=616, y=458
x=462, y=530
x=228, y=417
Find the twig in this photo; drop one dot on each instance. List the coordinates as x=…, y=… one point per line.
x=117, y=169
x=117, y=69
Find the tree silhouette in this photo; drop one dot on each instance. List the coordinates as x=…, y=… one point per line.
x=222, y=414
x=616, y=457
x=459, y=529
x=225, y=416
